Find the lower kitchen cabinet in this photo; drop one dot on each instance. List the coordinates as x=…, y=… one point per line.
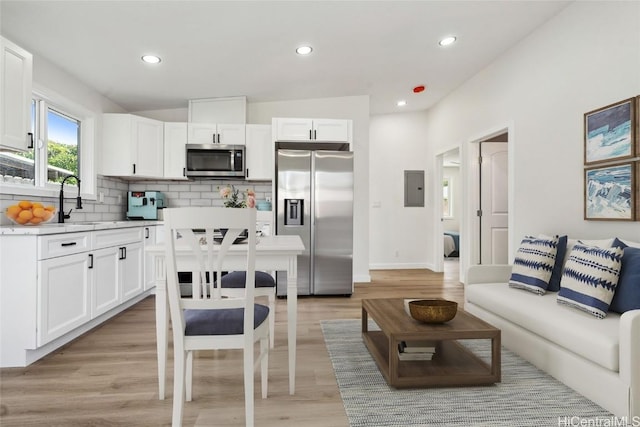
x=105, y=284
x=55, y=287
x=63, y=297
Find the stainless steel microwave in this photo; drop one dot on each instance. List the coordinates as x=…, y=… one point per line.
x=215, y=160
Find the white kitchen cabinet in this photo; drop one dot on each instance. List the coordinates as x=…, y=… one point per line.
x=259, y=152
x=218, y=110
x=117, y=267
x=208, y=133
x=16, y=69
x=55, y=287
x=131, y=270
x=63, y=295
x=150, y=238
x=175, y=141
x=105, y=280
x=132, y=146
x=312, y=130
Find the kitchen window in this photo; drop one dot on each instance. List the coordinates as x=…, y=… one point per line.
x=63, y=145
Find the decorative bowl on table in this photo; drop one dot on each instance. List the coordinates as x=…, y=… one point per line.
x=433, y=310
x=30, y=213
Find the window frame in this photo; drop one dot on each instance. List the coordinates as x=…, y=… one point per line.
x=86, y=150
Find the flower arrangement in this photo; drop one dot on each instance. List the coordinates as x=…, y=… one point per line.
x=231, y=197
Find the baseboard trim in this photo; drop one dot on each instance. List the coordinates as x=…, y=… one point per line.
x=400, y=266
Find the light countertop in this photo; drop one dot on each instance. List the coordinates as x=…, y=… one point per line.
x=71, y=227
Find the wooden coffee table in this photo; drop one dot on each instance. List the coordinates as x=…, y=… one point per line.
x=452, y=364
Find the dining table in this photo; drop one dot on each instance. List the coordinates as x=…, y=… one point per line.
x=273, y=254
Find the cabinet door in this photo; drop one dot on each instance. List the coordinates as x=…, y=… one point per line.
x=148, y=137
x=330, y=130
x=202, y=133
x=175, y=140
x=259, y=152
x=294, y=129
x=63, y=295
x=231, y=134
x=131, y=277
x=16, y=66
x=149, y=267
x=105, y=293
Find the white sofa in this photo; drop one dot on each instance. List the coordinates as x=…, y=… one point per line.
x=599, y=358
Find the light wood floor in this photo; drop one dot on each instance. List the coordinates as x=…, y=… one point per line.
x=109, y=375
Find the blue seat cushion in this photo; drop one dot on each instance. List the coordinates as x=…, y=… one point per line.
x=236, y=279
x=226, y=321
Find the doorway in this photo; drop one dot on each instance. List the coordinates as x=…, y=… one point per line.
x=448, y=206
x=493, y=200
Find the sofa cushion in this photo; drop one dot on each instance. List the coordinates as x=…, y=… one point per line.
x=534, y=264
x=627, y=295
x=594, y=339
x=590, y=277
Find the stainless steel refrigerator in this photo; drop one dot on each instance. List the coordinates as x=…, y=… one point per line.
x=314, y=199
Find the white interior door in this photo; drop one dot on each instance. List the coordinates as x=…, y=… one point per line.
x=494, y=202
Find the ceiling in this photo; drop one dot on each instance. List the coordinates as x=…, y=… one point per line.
x=231, y=48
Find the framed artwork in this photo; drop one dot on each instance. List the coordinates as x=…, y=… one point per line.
x=610, y=192
x=610, y=132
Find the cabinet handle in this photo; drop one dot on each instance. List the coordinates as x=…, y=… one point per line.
x=123, y=253
x=146, y=232
x=247, y=173
x=184, y=171
x=90, y=260
x=214, y=138
x=218, y=138
x=134, y=168
x=315, y=135
x=310, y=137
x=30, y=140
x=68, y=244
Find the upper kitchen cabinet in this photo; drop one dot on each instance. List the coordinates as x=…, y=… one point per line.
x=232, y=110
x=132, y=146
x=207, y=133
x=259, y=153
x=175, y=141
x=312, y=130
x=16, y=69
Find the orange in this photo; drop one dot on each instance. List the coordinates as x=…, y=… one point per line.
x=24, y=204
x=47, y=215
x=36, y=205
x=21, y=220
x=38, y=212
x=13, y=211
x=50, y=208
x=25, y=215
x=35, y=220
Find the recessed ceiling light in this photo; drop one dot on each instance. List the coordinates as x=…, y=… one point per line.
x=447, y=41
x=304, y=50
x=151, y=59
x=402, y=103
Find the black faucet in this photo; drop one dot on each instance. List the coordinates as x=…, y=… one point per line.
x=61, y=215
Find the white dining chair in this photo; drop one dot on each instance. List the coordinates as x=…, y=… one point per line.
x=209, y=320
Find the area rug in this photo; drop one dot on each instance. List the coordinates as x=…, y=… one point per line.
x=526, y=396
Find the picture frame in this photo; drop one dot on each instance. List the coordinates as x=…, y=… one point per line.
x=611, y=192
x=610, y=133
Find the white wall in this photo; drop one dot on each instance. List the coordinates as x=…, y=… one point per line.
x=584, y=58
x=355, y=108
x=399, y=235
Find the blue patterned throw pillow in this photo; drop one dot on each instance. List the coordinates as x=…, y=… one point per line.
x=590, y=278
x=534, y=264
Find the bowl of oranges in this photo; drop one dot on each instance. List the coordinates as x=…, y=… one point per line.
x=30, y=213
